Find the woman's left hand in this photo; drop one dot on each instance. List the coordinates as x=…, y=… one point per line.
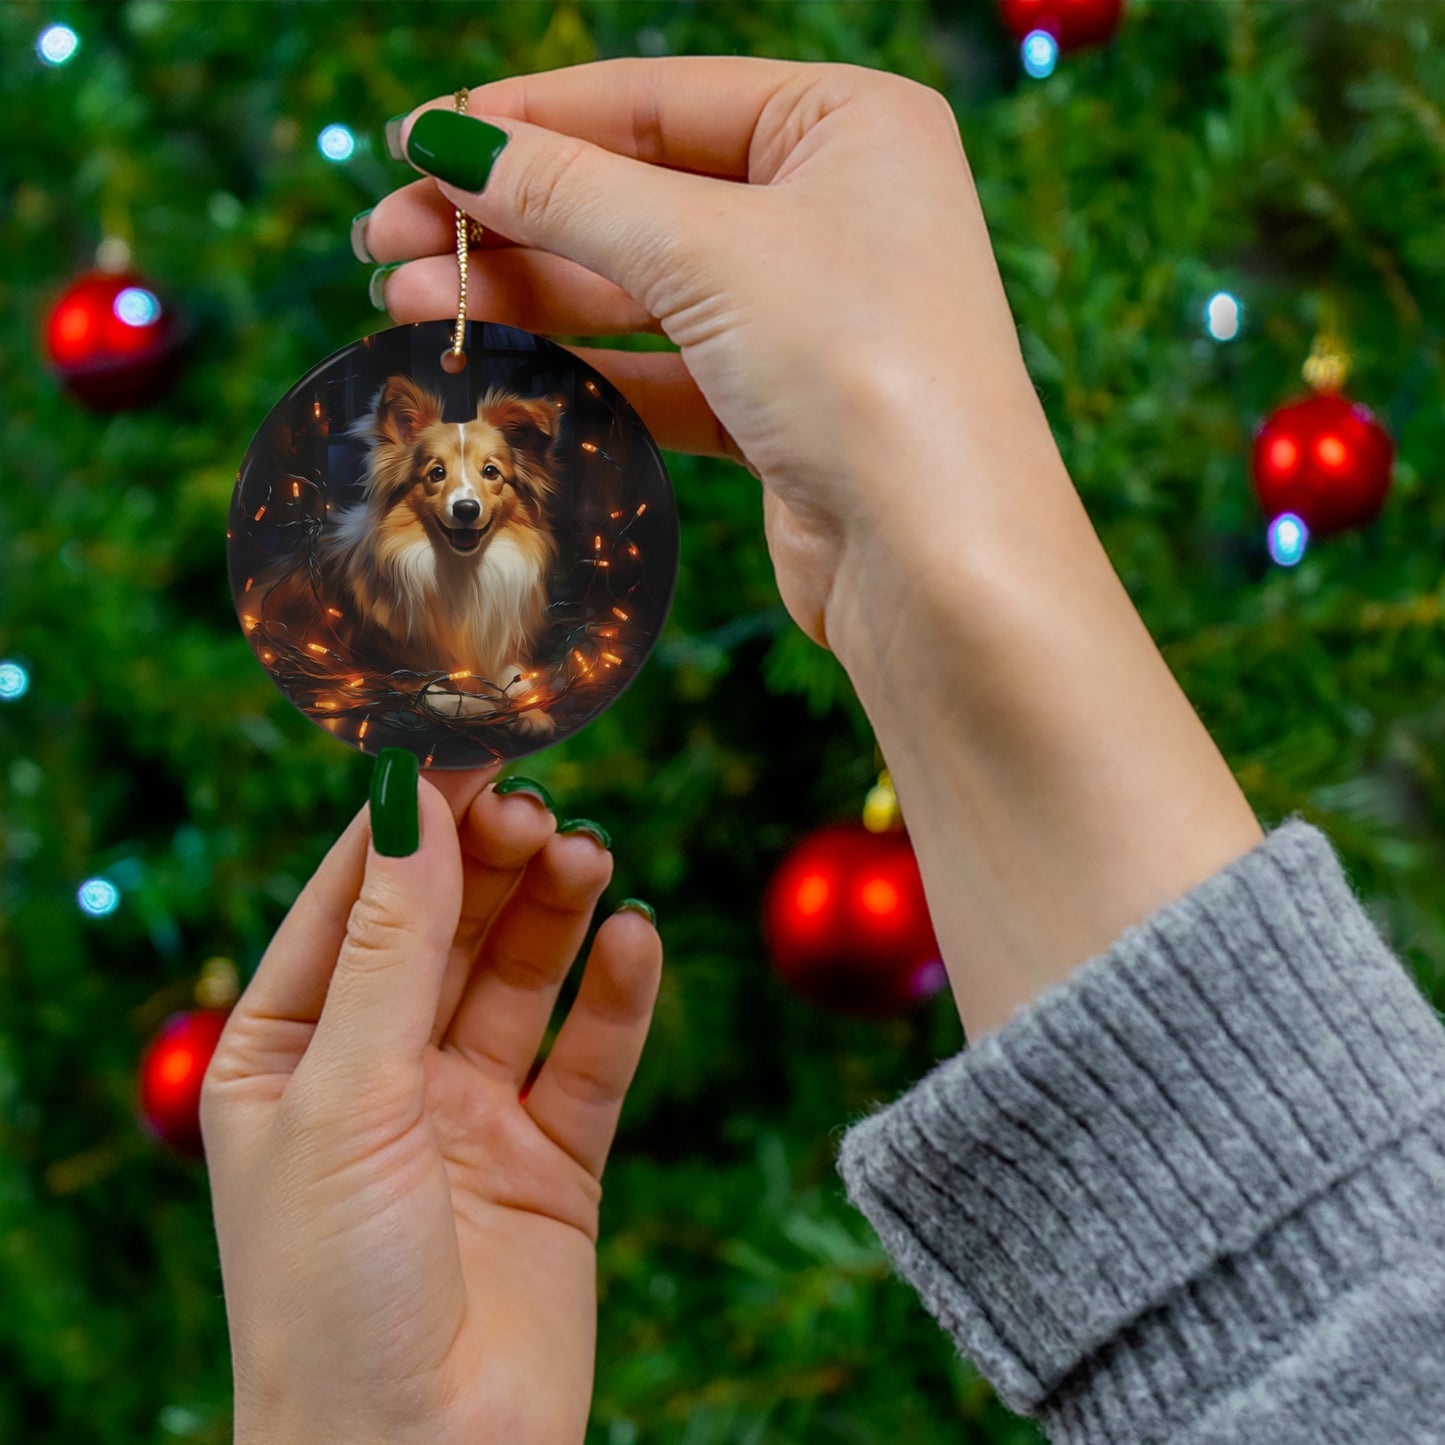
x=407, y=1239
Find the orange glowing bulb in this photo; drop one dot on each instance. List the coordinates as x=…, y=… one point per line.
x=1331, y=451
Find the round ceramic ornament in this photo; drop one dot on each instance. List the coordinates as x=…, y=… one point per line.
x=468, y=553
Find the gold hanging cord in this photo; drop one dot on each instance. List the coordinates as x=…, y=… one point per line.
x=469, y=233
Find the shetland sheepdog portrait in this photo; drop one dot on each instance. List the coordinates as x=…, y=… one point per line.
x=443, y=564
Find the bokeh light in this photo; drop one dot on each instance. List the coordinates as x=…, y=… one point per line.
x=98, y=897
x=1040, y=53
x=1223, y=316
x=14, y=681
x=57, y=44
x=137, y=307
x=1288, y=538
x=336, y=143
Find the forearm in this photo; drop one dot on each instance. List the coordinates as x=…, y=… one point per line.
x=1057, y=784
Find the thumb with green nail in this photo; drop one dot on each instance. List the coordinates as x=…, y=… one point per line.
x=407, y=1206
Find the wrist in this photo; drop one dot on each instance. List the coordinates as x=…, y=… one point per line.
x=1057, y=784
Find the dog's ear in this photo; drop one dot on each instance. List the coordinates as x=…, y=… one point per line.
x=530, y=423
x=399, y=411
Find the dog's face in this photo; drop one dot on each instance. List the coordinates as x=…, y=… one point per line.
x=462, y=481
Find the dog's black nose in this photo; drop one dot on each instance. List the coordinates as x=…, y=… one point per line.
x=466, y=511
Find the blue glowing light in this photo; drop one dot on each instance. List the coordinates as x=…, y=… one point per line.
x=1040, y=53
x=136, y=306
x=98, y=897
x=1223, y=316
x=57, y=44
x=14, y=681
x=1288, y=538
x=336, y=143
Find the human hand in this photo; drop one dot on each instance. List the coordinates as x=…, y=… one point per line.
x=842, y=325
x=810, y=237
x=408, y=1247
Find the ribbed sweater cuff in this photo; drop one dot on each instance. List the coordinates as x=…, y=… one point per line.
x=1170, y=1150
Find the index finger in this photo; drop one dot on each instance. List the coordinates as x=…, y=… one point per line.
x=698, y=113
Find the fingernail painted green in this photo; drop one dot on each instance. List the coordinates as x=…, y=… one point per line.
x=395, y=825
x=455, y=148
x=586, y=825
x=376, y=288
x=358, y=236
x=636, y=905
x=393, y=136
x=526, y=785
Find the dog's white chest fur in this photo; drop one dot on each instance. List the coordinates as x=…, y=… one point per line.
x=443, y=612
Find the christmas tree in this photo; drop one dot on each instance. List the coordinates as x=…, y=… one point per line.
x=1276, y=167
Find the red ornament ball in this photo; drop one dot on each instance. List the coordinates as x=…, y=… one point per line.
x=171, y=1071
x=1073, y=23
x=112, y=341
x=1324, y=458
x=847, y=924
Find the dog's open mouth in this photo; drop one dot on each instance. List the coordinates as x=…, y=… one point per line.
x=465, y=539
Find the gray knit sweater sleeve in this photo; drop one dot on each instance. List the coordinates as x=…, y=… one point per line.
x=1196, y=1192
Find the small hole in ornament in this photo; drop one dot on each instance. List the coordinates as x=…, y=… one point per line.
x=454, y=361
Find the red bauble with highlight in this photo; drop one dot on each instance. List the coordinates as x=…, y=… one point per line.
x=112, y=341
x=847, y=924
x=1324, y=458
x=1073, y=23
x=171, y=1072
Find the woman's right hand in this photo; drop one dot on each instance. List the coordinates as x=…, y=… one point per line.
x=810, y=237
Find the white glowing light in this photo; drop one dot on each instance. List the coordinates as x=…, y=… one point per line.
x=98, y=897
x=1223, y=316
x=14, y=681
x=1040, y=52
x=57, y=44
x=336, y=143
x=1288, y=537
x=136, y=306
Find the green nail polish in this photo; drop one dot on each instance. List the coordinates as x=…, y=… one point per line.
x=358, y=236
x=636, y=905
x=395, y=825
x=528, y=786
x=455, y=148
x=586, y=825
x=392, y=131
x=377, y=287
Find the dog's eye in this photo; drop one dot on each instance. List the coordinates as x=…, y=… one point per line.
x=490, y=472
x=437, y=474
